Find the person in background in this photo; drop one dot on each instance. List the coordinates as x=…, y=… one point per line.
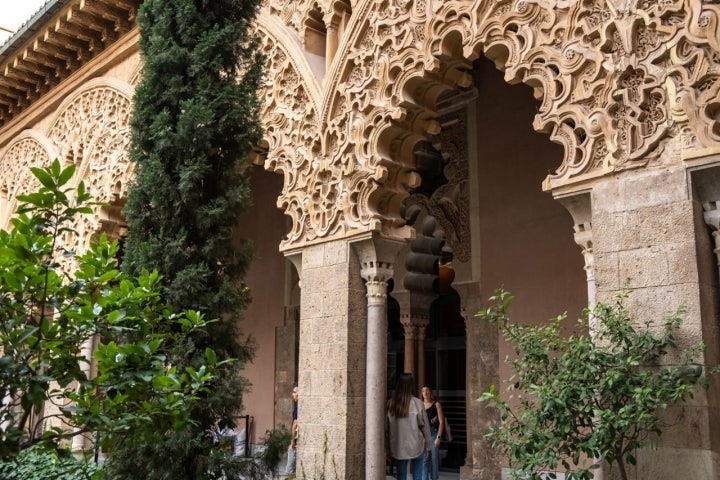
x=436, y=417
x=407, y=428
x=290, y=467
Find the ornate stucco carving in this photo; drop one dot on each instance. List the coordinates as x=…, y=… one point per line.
x=290, y=119
x=16, y=179
x=616, y=79
x=91, y=130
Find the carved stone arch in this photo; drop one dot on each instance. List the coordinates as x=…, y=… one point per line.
x=617, y=82
x=601, y=68
x=29, y=149
x=290, y=104
x=92, y=131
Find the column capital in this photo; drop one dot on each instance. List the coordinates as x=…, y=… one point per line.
x=377, y=257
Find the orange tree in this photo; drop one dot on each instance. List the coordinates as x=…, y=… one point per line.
x=575, y=399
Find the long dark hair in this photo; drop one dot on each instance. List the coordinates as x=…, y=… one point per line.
x=399, y=403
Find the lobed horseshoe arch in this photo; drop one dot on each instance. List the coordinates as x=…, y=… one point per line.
x=618, y=83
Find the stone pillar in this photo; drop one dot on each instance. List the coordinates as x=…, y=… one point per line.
x=81, y=442
x=647, y=235
x=331, y=44
x=414, y=326
x=580, y=209
x=483, y=363
x=286, y=344
x=409, y=334
x=420, y=352
x=332, y=358
x=376, y=257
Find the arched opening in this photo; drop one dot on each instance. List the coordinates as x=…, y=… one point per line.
x=272, y=318
x=481, y=174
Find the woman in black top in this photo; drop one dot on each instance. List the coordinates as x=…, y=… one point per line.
x=437, y=424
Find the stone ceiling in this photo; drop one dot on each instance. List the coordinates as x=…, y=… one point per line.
x=61, y=37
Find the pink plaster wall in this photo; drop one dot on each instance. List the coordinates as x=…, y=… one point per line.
x=526, y=241
x=264, y=223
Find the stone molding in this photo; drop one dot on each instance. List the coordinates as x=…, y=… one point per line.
x=616, y=80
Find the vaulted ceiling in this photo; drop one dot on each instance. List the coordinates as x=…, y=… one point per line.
x=61, y=37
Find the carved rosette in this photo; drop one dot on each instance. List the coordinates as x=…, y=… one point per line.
x=617, y=80
x=15, y=175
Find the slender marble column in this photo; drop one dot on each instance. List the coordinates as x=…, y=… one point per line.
x=376, y=257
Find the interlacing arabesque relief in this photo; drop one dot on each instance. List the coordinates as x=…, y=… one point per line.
x=92, y=132
x=601, y=69
x=372, y=186
x=608, y=72
x=616, y=79
x=15, y=175
x=290, y=119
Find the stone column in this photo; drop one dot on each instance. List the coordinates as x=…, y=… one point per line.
x=579, y=206
x=376, y=257
x=409, y=340
x=580, y=209
x=331, y=44
x=420, y=352
x=483, y=461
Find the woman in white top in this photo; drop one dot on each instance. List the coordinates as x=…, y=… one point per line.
x=408, y=428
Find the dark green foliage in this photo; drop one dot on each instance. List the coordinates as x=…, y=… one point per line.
x=574, y=399
x=37, y=464
x=194, y=124
x=49, y=315
x=276, y=444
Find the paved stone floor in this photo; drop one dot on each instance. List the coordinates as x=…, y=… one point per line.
x=443, y=476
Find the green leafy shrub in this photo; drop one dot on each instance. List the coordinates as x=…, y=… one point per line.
x=49, y=317
x=37, y=464
x=575, y=399
x=276, y=444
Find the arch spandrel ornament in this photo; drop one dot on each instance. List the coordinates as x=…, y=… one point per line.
x=289, y=112
x=92, y=131
x=30, y=149
x=617, y=82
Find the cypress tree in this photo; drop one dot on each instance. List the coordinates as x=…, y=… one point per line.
x=194, y=123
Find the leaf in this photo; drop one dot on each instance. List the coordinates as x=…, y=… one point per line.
x=45, y=178
x=66, y=174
